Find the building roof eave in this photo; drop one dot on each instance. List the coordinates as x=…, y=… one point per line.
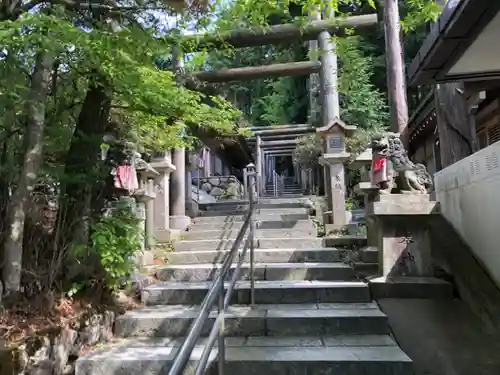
x=459, y=25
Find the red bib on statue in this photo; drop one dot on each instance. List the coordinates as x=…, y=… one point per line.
x=379, y=169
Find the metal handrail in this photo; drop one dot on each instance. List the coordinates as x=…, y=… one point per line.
x=217, y=291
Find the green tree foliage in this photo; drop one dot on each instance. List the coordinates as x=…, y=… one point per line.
x=71, y=72
x=102, y=79
x=361, y=103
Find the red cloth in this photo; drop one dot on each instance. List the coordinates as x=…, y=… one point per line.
x=379, y=169
x=126, y=178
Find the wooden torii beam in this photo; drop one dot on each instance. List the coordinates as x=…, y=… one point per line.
x=289, y=32
x=301, y=68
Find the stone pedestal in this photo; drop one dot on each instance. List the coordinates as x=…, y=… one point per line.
x=146, y=195
x=334, y=165
x=161, y=226
x=370, y=193
x=178, y=219
x=143, y=198
x=145, y=208
x=403, y=238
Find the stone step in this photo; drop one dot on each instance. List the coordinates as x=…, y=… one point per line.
x=270, y=190
x=192, y=245
x=291, y=255
x=285, y=185
x=262, y=224
x=284, y=201
x=265, y=243
x=369, y=254
x=262, y=271
x=281, y=203
x=265, y=320
x=327, y=355
x=264, y=210
x=345, y=241
x=262, y=215
x=285, y=224
x=287, y=242
x=260, y=212
x=266, y=292
x=224, y=205
x=363, y=269
x=411, y=287
x=282, y=195
x=233, y=233
x=284, y=192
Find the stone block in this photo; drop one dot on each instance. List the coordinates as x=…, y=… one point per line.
x=256, y=355
x=180, y=222
x=369, y=254
x=262, y=271
x=410, y=287
x=344, y=241
x=289, y=243
x=261, y=255
x=266, y=292
x=403, y=205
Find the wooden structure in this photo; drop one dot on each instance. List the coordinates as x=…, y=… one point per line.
x=277, y=34
x=460, y=44
x=277, y=144
x=455, y=119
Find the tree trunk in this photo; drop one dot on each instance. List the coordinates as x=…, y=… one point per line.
x=81, y=171
x=16, y=210
x=396, y=81
x=288, y=32
x=457, y=130
x=300, y=68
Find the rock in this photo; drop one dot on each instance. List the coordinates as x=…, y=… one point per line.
x=216, y=192
x=91, y=332
x=206, y=187
x=45, y=367
x=39, y=349
x=22, y=357
x=62, y=348
x=53, y=354
x=214, y=181
x=107, y=322
x=69, y=369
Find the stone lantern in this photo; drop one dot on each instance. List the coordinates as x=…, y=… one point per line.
x=161, y=163
x=333, y=158
x=145, y=196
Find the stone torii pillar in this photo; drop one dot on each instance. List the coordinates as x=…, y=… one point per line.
x=333, y=158
x=178, y=220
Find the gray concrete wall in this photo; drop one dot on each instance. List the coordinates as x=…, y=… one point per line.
x=469, y=194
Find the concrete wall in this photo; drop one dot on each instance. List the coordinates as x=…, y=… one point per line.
x=469, y=194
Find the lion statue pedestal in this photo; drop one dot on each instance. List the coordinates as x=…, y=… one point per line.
x=399, y=214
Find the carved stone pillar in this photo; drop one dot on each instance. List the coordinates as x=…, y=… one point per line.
x=161, y=202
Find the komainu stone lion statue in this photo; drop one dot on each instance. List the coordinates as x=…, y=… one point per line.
x=391, y=167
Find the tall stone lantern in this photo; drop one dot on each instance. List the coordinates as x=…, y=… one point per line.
x=161, y=163
x=333, y=158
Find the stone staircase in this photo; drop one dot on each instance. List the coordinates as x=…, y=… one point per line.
x=289, y=188
x=311, y=315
